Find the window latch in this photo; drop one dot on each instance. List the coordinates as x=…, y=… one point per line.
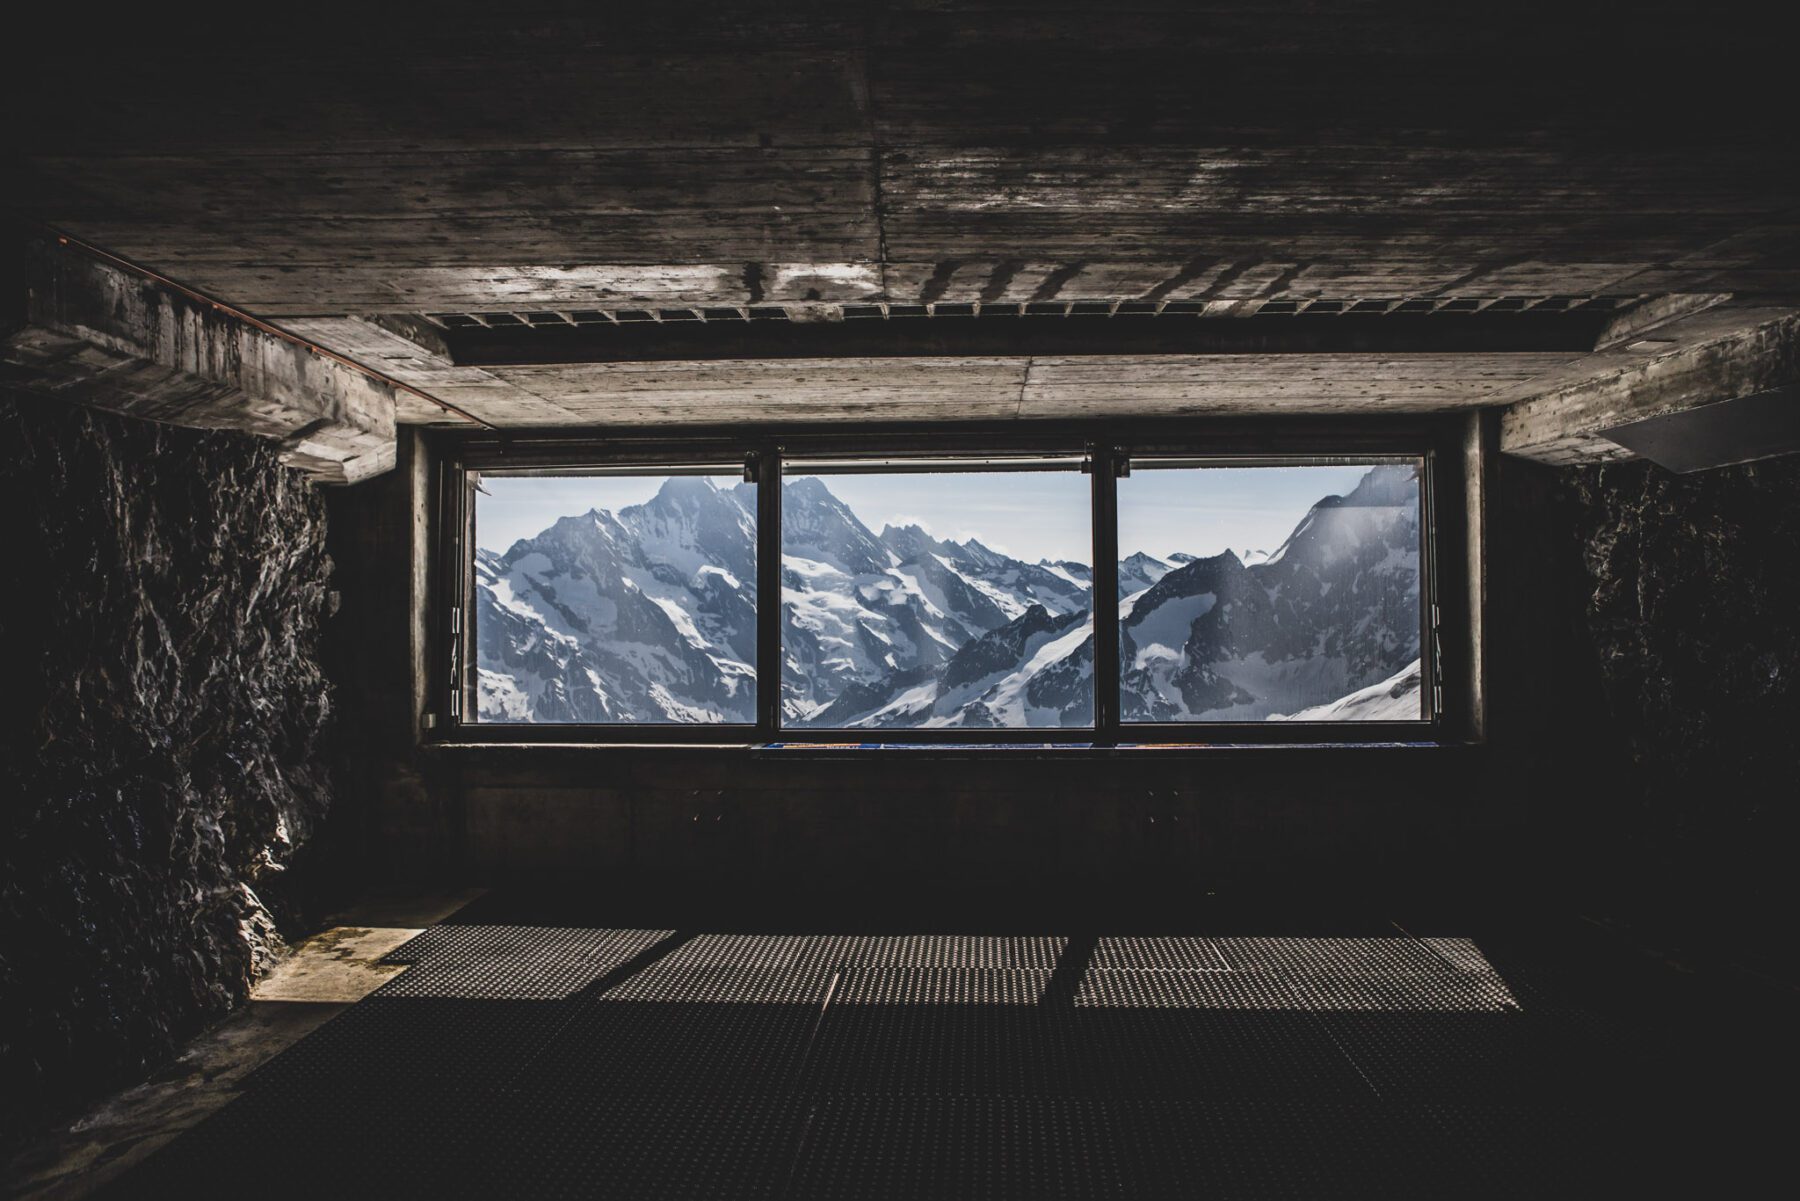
x=455, y=662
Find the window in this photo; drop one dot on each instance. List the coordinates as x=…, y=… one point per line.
x=936, y=599
x=1255, y=592
x=1083, y=586
x=624, y=598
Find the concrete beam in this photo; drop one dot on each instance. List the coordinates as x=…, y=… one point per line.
x=100, y=334
x=1742, y=352
x=407, y=350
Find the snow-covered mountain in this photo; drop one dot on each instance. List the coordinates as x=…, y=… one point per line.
x=886, y=630
x=1333, y=610
x=649, y=615
x=1393, y=699
x=1138, y=571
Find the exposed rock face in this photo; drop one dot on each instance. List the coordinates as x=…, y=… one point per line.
x=998, y=650
x=1138, y=571
x=1694, y=616
x=166, y=590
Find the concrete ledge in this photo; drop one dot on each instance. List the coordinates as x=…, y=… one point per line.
x=1723, y=354
x=100, y=335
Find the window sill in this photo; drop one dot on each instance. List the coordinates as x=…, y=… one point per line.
x=813, y=751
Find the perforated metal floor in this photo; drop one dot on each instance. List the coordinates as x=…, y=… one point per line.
x=544, y=1060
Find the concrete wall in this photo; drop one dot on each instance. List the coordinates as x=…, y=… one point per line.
x=892, y=822
x=1374, y=819
x=1640, y=646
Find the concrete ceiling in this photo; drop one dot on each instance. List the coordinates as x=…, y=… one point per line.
x=501, y=159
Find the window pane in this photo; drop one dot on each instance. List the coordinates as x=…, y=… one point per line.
x=936, y=600
x=1270, y=593
x=615, y=599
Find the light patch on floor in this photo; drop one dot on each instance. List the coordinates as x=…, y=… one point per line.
x=342, y=965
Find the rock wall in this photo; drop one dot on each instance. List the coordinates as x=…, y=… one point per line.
x=1691, y=605
x=166, y=591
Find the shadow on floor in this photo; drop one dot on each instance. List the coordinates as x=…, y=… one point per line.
x=522, y=1053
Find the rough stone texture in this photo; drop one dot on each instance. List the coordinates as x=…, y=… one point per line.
x=1693, y=612
x=166, y=592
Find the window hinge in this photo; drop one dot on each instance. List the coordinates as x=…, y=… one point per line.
x=749, y=469
x=456, y=703
x=456, y=619
x=1122, y=466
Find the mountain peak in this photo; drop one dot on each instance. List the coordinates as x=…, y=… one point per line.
x=1139, y=571
x=596, y=516
x=908, y=541
x=1224, y=563
x=1386, y=484
x=808, y=487
x=679, y=486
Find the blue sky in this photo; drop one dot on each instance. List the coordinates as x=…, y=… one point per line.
x=523, y=506
x=1204, y=510
x=1029, y=515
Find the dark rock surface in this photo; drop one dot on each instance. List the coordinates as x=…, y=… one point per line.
x=1002, y=649
x=162, y=768
x=1693, y=612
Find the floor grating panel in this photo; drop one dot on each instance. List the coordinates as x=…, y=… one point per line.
x=540, y=1061
x=670, y=1046
x=940, y=951
x=1159, y=955
x=1396, y=953
x=954, y=1146
x=941, y=986
x=501, y=963
x=383, y=1041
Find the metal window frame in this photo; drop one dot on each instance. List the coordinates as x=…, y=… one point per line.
x=1106, y=448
